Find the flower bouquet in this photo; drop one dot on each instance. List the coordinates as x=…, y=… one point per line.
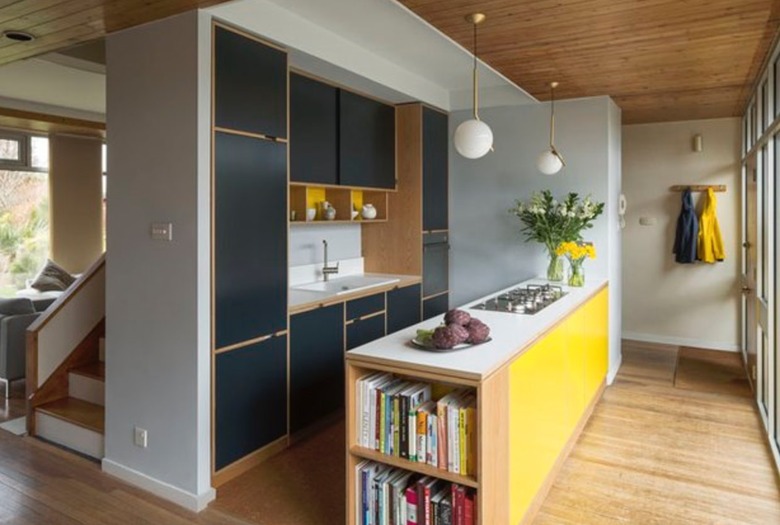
x=551, y=223
x=576, y=253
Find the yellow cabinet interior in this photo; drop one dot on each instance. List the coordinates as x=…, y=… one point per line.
x=344, y=199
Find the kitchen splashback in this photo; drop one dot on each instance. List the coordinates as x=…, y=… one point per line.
x=305, y=243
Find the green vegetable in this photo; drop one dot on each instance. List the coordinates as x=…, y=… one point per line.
x=425, y=336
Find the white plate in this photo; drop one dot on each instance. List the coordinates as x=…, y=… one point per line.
x=431, y=348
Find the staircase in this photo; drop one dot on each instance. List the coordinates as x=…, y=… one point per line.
x=66, y=370
x=77, y=421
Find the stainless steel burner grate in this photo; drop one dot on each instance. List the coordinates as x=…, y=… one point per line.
x=528, y=300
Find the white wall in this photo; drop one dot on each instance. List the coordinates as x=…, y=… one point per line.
x=157, y=355
x=488, y=251
x=697, y=304
x=305, y=243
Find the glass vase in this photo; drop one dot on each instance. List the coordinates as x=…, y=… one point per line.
x=555, y=268
x=577, y=276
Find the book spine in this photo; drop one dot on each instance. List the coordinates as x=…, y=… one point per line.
x=377, y=418
x=433, y=439
x=441, y=430
x=403, y=428
x=471, y=439
x=395, y=443
x=454, y=499
x=445, y=511
x=411, y=506
x=462, y=440
x=422, y=430
x=382, y=422
x=411, y=437
x=468, y=510
x=461, y=505
x=453, y=443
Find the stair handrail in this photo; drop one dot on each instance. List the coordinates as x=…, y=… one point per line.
x=43, y=389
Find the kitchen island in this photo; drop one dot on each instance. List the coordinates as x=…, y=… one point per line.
x=536, y=383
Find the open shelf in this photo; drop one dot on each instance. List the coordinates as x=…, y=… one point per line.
x=413, y=466
x=345, y=200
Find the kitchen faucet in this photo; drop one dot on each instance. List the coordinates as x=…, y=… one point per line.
x=327, y=270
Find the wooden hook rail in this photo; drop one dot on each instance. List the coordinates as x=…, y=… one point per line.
x=719, y=188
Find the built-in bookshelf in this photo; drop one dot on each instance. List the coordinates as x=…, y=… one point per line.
x=413, y=449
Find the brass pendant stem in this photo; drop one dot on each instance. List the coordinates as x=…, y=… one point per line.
x=475, y=19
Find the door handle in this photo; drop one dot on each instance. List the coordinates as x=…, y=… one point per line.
x=746, y=290
x=746, y=244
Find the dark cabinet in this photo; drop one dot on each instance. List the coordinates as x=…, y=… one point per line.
x=365, y=320
x=250, y=399
x=362, y=331
x=316, y=365
x=435, y=161
x=313, y=131
x=403, y=308
x=250, y=85
x=366, y=142
x=435, y=263
x=435, y=306
x=250, y=238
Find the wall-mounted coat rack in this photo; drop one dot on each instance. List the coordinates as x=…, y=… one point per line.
x=719, y=188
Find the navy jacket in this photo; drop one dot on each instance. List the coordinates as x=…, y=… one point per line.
x=687, y=231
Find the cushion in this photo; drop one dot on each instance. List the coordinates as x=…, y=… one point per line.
x=16, y=306
x=52, y=277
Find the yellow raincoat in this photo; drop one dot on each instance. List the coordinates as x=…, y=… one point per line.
x=710, y=245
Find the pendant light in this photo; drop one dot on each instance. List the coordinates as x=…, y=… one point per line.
x=550, y=161
x=473, y=138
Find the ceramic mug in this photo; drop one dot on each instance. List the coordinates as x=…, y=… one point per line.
x=311, y=213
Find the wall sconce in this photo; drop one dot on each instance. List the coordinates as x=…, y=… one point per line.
x=697, y=143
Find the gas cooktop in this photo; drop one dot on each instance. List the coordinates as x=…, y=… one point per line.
x=528, y=300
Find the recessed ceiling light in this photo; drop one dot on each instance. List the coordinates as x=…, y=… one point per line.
x=18, y=36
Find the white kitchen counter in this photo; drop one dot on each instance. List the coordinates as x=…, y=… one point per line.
x=510, y=333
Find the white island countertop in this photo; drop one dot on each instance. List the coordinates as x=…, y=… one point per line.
x=511, y=334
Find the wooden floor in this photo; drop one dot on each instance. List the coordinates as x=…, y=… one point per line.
x=664, y=446
x=673, y=441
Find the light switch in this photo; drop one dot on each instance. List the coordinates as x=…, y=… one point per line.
x=162, y=231
x=647, y=221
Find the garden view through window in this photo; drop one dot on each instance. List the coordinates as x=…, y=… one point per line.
x=24, y=210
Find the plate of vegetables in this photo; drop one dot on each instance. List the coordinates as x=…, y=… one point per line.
x=460, y=330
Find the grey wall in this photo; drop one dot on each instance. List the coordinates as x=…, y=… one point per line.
x=488, y=251
x=305, y=243
x=157, y=293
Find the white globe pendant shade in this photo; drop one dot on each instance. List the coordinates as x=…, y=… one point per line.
x=473, y=139
x=549, y=163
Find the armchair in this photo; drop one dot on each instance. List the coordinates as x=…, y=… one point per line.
x=15, y=316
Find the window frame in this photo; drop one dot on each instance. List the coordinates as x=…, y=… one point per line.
x=25, y=151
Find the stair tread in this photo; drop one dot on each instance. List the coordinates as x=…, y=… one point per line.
x=78, y=412
x=96, y=370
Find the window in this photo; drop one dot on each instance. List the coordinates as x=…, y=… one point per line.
x=24, y=209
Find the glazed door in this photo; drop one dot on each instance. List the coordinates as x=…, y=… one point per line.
x=749, y=270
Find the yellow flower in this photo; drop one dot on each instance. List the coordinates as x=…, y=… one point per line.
x=575, y=251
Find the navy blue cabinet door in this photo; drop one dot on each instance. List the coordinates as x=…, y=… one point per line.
x=435, y=160
x=250, y=85
x=364, y=331
x=365, y=306
x=366, y=142
x=250, y=238
x=436, y=267
x=316, y=365
x=403, y=308
x=435, y=306
x=250, y=399
x=313, y=131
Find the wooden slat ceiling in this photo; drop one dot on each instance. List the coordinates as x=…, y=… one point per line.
x=660, y=60
x=62, y=23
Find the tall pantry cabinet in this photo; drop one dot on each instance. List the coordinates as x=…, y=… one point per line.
x=249, y=247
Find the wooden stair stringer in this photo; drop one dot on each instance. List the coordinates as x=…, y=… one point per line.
x=56, y=386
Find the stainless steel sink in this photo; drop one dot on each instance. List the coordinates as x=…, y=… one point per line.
x=345, y=285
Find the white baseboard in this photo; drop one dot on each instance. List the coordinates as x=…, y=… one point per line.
x=188, y=500
x=614, y=368
x=682, y=341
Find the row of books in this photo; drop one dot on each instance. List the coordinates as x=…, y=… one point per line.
x=398, y=417
x=392, y=496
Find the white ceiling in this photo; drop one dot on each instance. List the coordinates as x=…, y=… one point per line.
x=375, y=46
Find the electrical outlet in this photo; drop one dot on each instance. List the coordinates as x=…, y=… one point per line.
x=140, y=437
